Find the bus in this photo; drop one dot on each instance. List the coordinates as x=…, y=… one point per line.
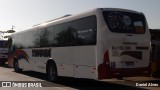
x=3, y=51
x=98, y=44
x=155, y=41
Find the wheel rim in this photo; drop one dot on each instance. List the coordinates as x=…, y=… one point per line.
x=52, y=73
x=16, y=66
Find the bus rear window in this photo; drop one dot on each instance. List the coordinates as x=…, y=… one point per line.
x=125, y=22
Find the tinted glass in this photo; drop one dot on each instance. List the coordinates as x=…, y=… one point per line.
x=28, y=39
x=46, y=36
x=77, y=32
x=125, y=22
x=86, y=29
x=63, y=34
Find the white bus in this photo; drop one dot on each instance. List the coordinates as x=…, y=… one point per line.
x=99, y=44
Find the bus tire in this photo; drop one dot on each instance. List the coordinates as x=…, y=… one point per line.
x=120, y=77
x=52, y=72
x=16, y=66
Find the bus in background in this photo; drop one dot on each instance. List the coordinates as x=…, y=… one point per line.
x=155, y=41
x=3, y=51
x=6, y=34
x=99, y=44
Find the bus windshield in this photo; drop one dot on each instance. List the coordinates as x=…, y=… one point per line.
x=125, y=22
x=3, y=44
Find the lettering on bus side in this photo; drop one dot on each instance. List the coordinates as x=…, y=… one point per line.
x=121, y=47
x=41, y=52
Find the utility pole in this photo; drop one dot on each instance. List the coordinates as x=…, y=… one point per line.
x=13, y=27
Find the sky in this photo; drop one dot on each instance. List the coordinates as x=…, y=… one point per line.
x=23, y=14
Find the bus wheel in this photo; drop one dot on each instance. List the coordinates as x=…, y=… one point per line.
x=16, y=66
x=52, y=72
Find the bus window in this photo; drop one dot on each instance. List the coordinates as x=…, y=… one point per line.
x=125, y=22
x=86, y=30
x=63, y=34
x=46, y=36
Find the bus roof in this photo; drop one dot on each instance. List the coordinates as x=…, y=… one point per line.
x=70, y=17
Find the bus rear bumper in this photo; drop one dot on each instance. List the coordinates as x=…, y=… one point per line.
x=105, y=72
x=129, y=72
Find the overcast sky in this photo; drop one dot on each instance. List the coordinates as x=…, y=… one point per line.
x=24, y=14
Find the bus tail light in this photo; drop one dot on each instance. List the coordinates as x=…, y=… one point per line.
x=106, y=58
x=104, y=67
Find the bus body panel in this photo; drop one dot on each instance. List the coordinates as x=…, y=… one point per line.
x=71, y=64
x=127, y=52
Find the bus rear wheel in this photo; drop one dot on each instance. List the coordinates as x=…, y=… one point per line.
x=52, y=72
x=120, y=77
x=16, y=66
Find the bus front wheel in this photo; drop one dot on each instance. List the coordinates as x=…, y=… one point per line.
x=52, y=72
x=16, y=66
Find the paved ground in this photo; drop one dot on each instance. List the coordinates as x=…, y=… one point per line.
x=8, y=74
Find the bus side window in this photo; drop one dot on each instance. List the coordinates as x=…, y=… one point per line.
x=86, y=30
x=46, y=36
x=63, y=34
